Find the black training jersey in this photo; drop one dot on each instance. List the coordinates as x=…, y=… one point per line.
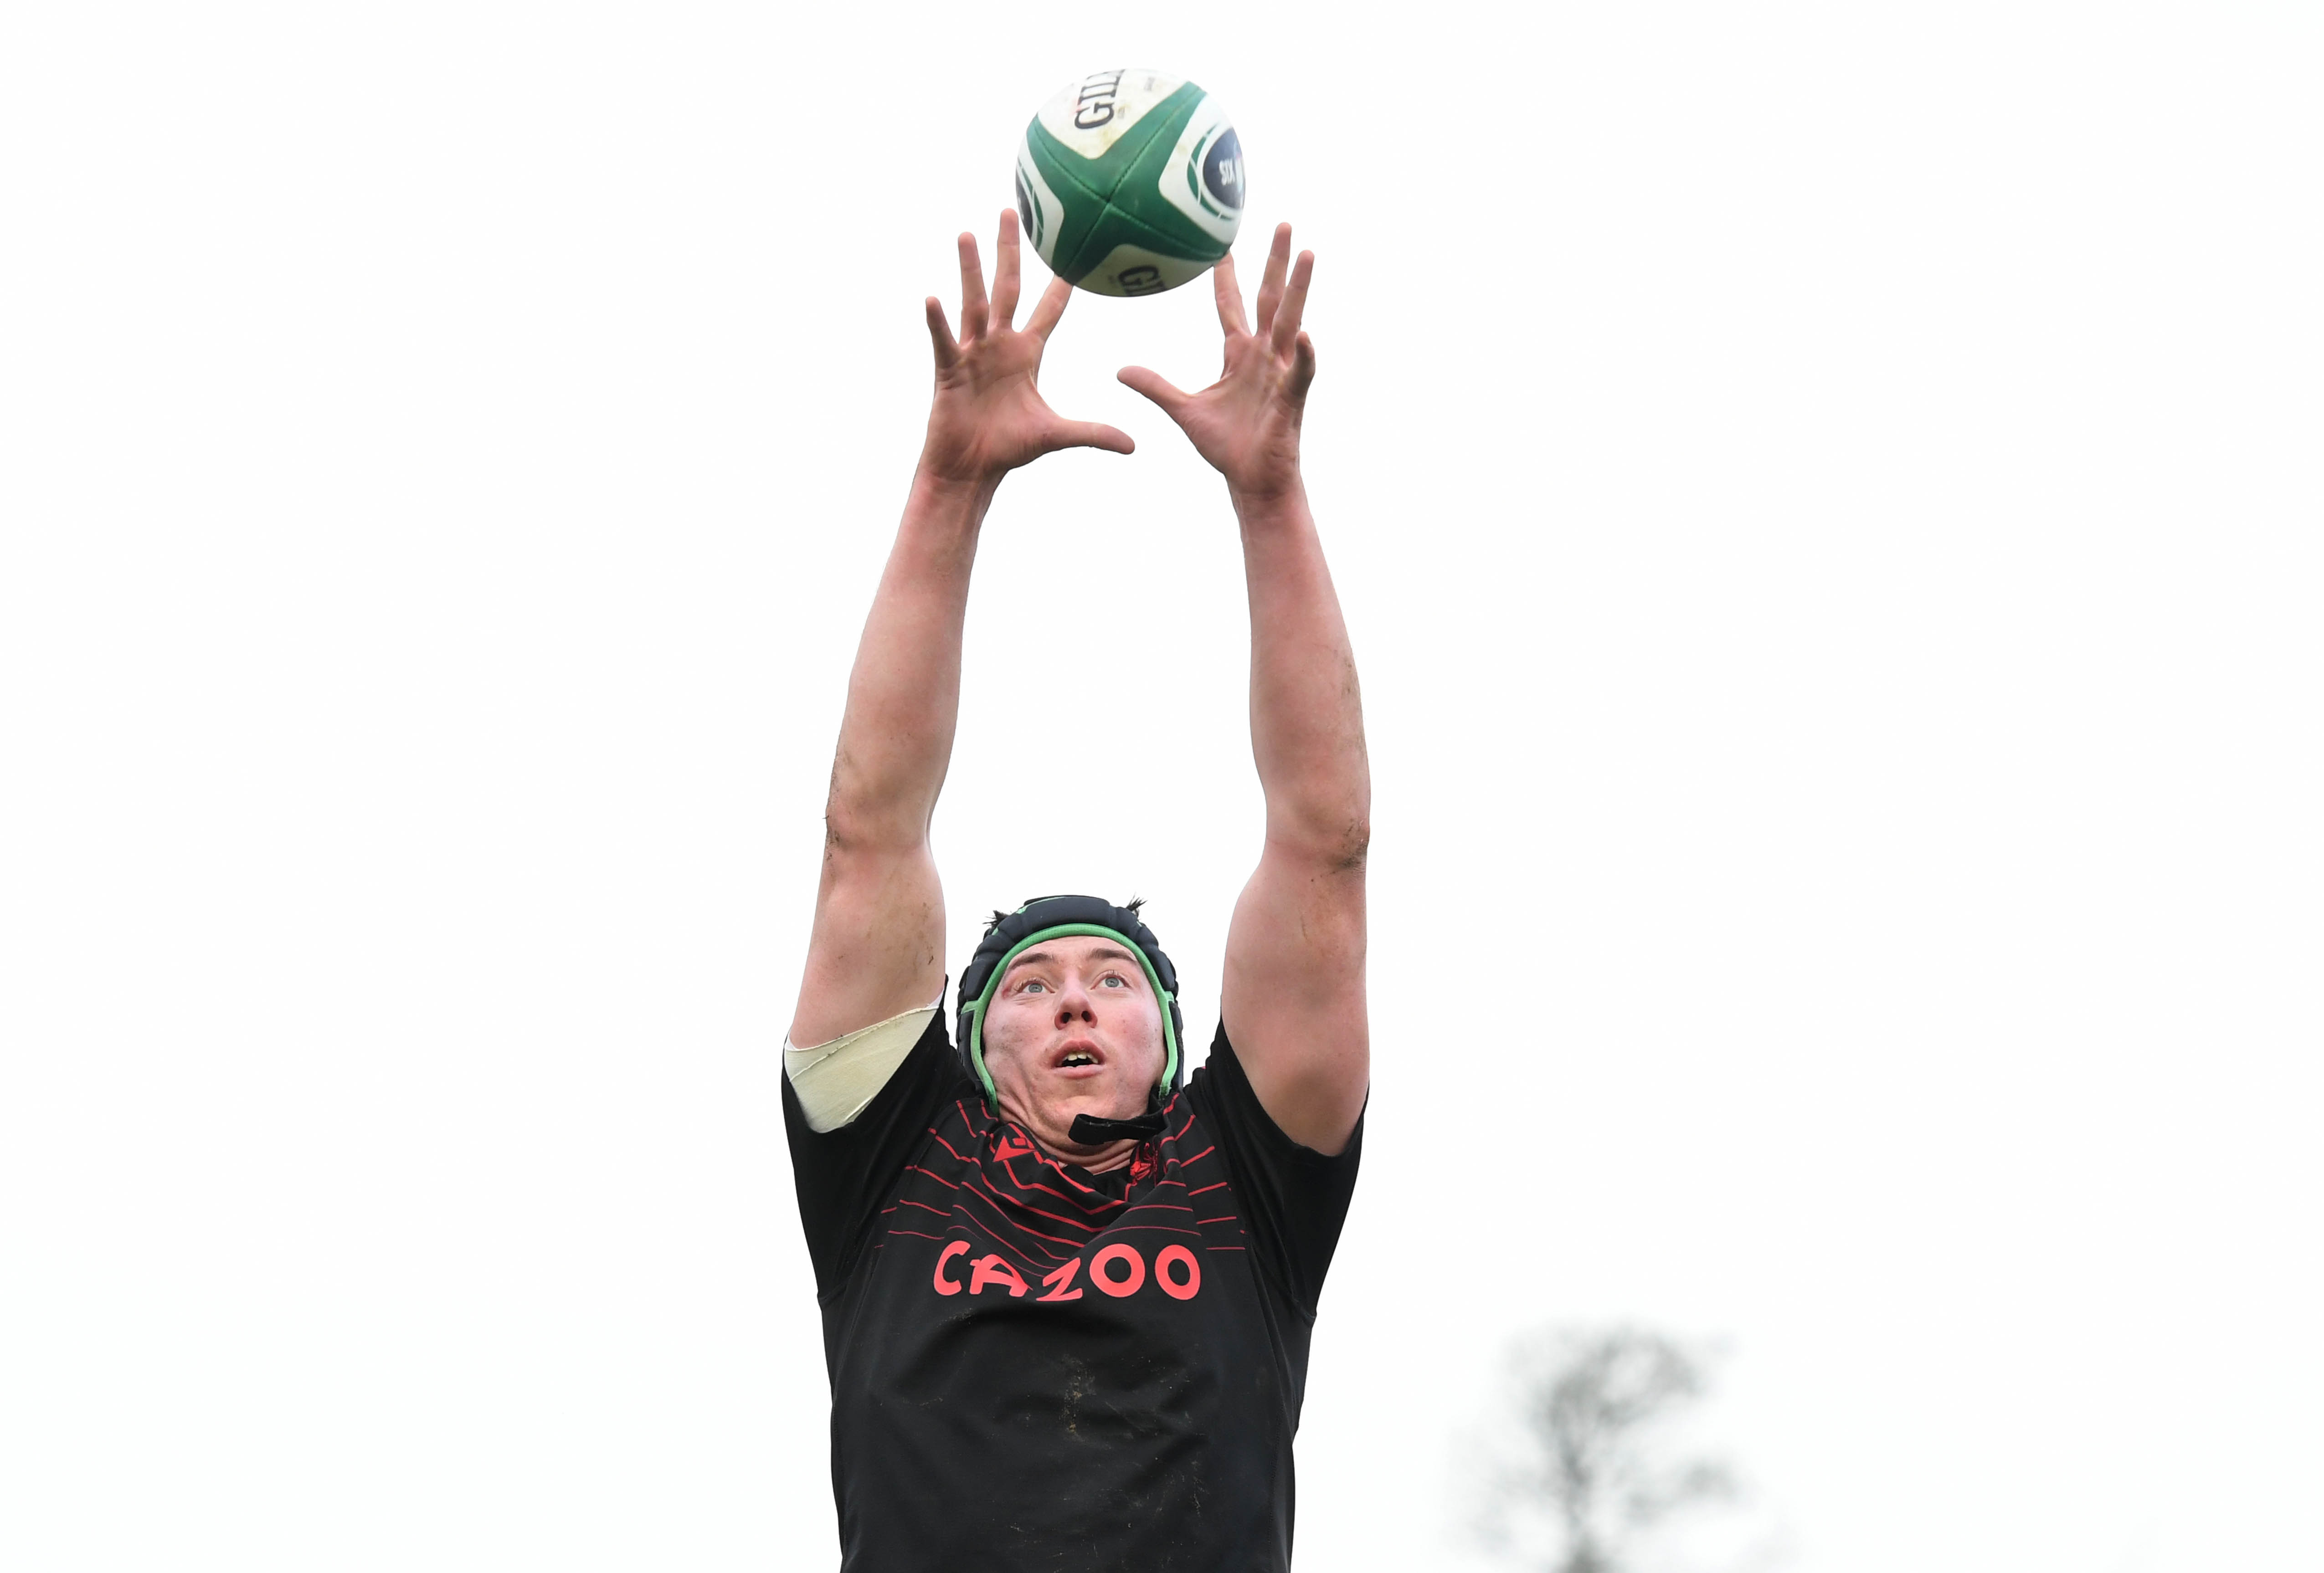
x=1036, y=1367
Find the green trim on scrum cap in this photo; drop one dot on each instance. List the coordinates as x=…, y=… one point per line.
x=1162, y=998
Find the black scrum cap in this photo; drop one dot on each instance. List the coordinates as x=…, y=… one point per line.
x=1050, y=917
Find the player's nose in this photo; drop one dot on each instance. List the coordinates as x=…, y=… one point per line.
x=1074, y=1006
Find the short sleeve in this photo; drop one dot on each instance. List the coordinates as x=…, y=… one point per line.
x=1294, y=1198
x=843, y=1175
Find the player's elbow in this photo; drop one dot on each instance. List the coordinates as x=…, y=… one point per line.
x=854, y=829
x=1331, y=843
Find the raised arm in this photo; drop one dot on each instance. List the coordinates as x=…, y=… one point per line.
x=1293, y=995
x=877, y=948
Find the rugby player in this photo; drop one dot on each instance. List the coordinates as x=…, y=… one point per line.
x=1066, y=1289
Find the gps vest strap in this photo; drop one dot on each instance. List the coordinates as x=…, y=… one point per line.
x=1090, y=1131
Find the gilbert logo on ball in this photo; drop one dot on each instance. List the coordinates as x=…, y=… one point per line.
x=1130, y=182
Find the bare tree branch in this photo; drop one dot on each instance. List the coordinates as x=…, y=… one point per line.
x=1595, y=1466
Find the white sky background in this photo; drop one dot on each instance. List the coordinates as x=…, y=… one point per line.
x=1827, y=501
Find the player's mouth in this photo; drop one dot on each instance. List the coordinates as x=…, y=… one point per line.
x=1078, y=1059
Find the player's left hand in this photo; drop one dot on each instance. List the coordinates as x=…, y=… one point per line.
x=1247, y=423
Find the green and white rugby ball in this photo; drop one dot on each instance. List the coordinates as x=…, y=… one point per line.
x=1130, y=182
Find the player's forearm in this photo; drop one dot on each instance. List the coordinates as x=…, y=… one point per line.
x=903, y=698
x=1306, y=713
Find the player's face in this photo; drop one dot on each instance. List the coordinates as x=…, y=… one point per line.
x=1074, y=1029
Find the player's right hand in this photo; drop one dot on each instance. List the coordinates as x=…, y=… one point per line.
x=988, y=415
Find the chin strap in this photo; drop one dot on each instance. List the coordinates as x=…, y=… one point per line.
x=1090, y=1131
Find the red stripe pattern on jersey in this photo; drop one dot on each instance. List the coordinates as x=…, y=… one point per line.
x=984, y=1180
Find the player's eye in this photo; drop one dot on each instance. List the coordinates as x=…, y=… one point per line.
x=1114, y=980
x=1032, y=985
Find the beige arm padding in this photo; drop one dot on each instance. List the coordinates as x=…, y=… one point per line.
x=836, y=1080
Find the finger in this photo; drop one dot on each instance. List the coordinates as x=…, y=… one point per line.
x=971, y=290
x=1303, y=366
x=940, y=332
x=1005, y=275
x=1156, y=387
x=1229, y=294
x=1050, y=306
x=1088, y=433
x=1270, y=282
x=1295, y=304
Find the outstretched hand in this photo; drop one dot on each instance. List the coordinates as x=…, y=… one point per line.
x=1247, y=423
x=988, y=415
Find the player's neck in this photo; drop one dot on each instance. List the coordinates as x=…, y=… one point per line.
x=1055, y=1143
x=1101, y=1160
